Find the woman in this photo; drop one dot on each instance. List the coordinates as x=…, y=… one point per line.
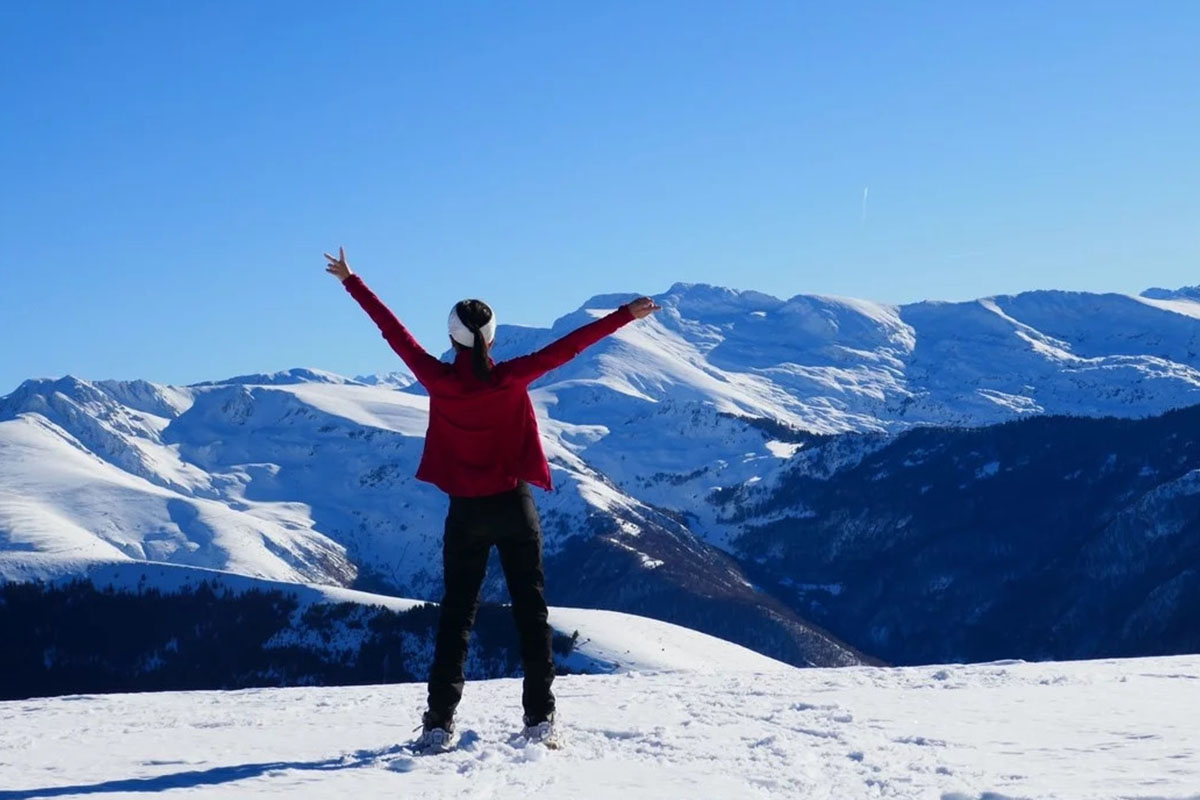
x=483, y=449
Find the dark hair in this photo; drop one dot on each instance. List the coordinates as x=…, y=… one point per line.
x=475, y=314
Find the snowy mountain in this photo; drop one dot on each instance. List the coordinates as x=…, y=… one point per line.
x=307, y=476
x=1095, y=730
x=830, y=365
x=312, y=481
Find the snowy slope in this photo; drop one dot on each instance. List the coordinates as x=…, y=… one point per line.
x=627, y=642
x=94, y=481
x=1079, y=730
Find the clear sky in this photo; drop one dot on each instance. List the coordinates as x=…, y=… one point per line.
x=172, y=171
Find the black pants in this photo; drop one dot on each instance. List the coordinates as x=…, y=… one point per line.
x=508, y=520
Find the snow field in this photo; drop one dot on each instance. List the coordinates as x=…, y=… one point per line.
x=1103, y=729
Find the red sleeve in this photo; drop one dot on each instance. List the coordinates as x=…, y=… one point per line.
x=531, y=367
x=424, y=366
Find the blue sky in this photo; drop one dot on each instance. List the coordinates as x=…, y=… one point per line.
x=173, y=171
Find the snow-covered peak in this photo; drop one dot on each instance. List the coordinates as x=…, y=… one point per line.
x=707, y=300
x=105, y=398
x=68, y=385
x=397, y=379
x=284, y=377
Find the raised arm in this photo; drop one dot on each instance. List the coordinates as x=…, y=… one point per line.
x=424, y=366
x=531, y=367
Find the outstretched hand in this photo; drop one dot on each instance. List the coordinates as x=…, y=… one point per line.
x=642, y=307
x=338, y=267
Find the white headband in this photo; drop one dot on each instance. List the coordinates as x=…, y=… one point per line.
x=460, y=333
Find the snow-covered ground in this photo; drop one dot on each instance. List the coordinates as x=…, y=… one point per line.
x=1102, y=729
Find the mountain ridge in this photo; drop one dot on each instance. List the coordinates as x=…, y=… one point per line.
x=305, y=475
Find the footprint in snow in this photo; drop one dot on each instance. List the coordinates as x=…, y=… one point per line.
x=921, y=741
x=812, y=707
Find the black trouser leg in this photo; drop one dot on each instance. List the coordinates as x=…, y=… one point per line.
x=464, y=561
x=520, y=544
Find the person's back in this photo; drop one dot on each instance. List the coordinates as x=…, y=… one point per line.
x=483, y=435
x=483, y=449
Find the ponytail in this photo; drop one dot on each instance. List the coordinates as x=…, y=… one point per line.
x=479, y=356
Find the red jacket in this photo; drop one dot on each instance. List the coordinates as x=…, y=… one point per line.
x=483, y=437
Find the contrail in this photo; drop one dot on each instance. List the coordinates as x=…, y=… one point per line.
x=863, y=221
